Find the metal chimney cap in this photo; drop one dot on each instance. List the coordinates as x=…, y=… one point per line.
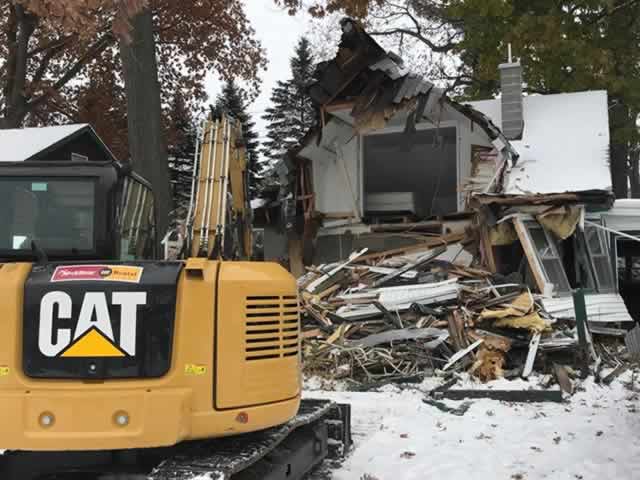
x=504, y=66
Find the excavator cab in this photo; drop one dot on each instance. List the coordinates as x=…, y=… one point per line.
x=75, y=211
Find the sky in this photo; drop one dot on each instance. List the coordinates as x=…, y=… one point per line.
x=278, y=32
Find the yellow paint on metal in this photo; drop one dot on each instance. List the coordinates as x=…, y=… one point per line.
x=93, y=344
x=176, y=407
x=197, y=370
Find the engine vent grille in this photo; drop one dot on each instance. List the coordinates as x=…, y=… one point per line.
x=272, y=327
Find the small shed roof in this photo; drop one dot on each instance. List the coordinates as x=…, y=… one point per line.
x=19, y=145
x=564, y=146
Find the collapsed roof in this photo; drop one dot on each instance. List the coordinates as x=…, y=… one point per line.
x=567, y=129
x=378, y=85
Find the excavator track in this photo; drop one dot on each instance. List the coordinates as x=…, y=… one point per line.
x=321, y=430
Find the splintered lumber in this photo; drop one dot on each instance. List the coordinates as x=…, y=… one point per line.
x=398, y=336
x=619, y=370
x=461, y=354
x=316, y=332
x=393, y=320
x=435, y=242
x=431, y=227
x=562, y=376
x=329, y=282
x=531, y=357
x=456, y=330
x=320, y=281
x=409, y=275
x=411, y=266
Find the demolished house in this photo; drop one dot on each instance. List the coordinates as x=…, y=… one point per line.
x=436, y=235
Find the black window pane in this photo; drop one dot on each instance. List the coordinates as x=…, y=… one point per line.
x=57, y=214
x=423, y=163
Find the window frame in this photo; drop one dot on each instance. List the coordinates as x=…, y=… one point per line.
x=606, y=255
x=96, y=220
x=144, y=194
x=540, y=273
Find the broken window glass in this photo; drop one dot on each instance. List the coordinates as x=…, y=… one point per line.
x=548, y=251
x=596, y=241
x=585, y=278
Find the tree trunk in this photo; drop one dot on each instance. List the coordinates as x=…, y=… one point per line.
x=146, y=136
x=619, y=149
x=21, y=26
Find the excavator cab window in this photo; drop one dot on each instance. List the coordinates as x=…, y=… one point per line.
x=136, y=219
x=57, y=214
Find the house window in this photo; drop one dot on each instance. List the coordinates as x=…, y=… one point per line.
x=580, y=261
x=411, y=173
x=550, y=256
x=76, y=157
x=596, y=242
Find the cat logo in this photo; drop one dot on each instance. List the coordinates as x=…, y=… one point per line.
x=93, y=333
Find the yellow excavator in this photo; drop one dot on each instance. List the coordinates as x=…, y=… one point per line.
x=115, y=362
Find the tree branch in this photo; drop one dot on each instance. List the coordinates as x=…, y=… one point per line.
x=58, y=42
x=94, y=51
x=447, y=47
x=46, y=60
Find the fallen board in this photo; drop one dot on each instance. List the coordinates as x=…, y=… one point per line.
x=516, y=396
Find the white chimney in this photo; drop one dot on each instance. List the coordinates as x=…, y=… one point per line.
x=511, y=86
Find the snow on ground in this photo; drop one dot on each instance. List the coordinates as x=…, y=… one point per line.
x=595, y=435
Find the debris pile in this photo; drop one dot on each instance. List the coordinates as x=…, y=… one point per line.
x=402, y=315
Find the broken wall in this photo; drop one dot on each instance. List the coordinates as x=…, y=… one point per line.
x=339, y=167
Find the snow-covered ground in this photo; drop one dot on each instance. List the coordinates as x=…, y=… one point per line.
x=595, y=435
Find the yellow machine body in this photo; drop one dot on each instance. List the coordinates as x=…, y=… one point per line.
x=235, y=368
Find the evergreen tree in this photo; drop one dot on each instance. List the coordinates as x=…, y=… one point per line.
x=231, y=100
x=292, y=113
x=181, y=135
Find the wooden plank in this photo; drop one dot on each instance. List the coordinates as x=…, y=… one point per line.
x=432, y=227
x=487, y=248
x=517, y=396
x=531, y=255
x=435, y=242
x=562, y=376
x=316, y=332
x=456, y=330
x=531, y=357
x=313, y=286
x=461, y=354
x=296, y=264
x=411, y=266
x=619, y=370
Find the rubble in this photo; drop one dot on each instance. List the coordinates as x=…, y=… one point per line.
x=401, y=315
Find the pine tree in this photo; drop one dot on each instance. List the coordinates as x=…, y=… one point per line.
x=232, y=101
x=292, y=113
x=181, y=135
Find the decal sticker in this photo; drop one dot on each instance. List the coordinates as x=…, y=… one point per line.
x=92, y=335
x=105, y=273
x=5, y=371
x=195, y=370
